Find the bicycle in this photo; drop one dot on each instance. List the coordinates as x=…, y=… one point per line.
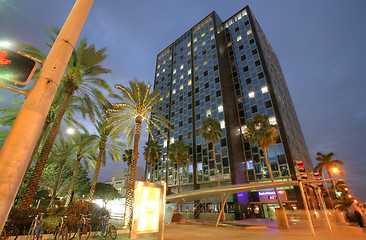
x=61, y=231
x=36, y=229
x=83, y=228
x=105, y=229
x=10, y=232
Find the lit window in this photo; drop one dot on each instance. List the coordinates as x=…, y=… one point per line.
x=251, y=94
x=174, y=71
x=199, y=166
x=164, y=70
x=157, y=74
x=212, y=37
x=229, y=44
x=189, y=71
x=195, y=49
x=220, y=108
x=238, y=38
x=264, y=89
x=171, y=140
x=250, y=164
x=189, y=82
x=203, y=34
x=272, y=121
x=203, y=43
x=249, y=32
x=165, y=143
x=173, y=91
x=181, y=66
x=170, y=57
x=164, y=62
x=205, y=63
x=159, y=66
x=222, y=124
x=189, y=44
x=181, y=76
x=195, y=39
x=208, y=113
x=189, y=53
x=211, y=28
x=174, y=81
x=181, y=87
x=244, y=129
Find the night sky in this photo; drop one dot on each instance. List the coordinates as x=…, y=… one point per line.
x=320, y=46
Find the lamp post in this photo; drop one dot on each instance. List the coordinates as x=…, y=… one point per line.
x=18, y=147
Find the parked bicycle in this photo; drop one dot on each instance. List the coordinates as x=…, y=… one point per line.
x=83, y=228
x=10, y=232
x=105, y=229
x=36, y=229
x=61, y=231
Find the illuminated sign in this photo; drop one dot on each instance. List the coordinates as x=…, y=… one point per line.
x=148, y=210
x=267, y=193
x=16, y=68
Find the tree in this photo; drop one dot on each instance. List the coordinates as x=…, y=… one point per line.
x=261, y=132
x=82, y=77
x=135, y=107
x=211, y=131
x=106, y=192
x=107, y=144
x=152, y=154
x=178, y=153
x=84, y=146
x=328, y=164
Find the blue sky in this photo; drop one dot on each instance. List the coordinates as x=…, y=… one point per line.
x=320, y=45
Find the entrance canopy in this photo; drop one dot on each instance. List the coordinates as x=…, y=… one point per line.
x=219, y=191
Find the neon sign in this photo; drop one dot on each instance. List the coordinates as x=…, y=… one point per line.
x=268, y=193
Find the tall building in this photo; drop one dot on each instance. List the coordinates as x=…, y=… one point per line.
x=120, y=179
x=228, y=71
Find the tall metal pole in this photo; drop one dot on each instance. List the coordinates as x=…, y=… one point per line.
x=18, y=147
x=306, y=208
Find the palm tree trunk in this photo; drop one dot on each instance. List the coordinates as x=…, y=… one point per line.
x=41, y=163
x=218, y=180
x=271, y=176
x=151, y=177
x=72, y=184
x=179, y=189
x=132, y=172
x=96, y=173
x=56, y=184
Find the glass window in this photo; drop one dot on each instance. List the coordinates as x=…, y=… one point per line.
x=195, y=39
x=222, y=124
x=249, y=31
x=181, y=87
x=189, y=82
x=220, y=108
x=250, y=164
x=181, y=66
x=238, y=38
x=251, y=94
x=208, y=113
x=272, y=121
x=264, y=89
x=189, y=71
x=188, y=44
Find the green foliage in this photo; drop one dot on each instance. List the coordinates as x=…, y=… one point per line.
x=327, y=163
x=152, y=152
x=179, y=153
x=127, y=157
x=106, y=192
x=23, y=219
x=211, y=129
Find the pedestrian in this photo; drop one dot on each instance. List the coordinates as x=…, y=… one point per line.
x=357, y=211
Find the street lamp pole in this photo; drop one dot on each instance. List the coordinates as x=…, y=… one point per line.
x=18, y=147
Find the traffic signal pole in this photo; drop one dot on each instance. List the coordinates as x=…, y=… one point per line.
x=18, y=146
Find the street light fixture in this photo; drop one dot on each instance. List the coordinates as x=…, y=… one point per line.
x=70, y=131
x=335, y=170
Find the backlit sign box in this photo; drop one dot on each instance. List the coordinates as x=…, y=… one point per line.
x=148, y=210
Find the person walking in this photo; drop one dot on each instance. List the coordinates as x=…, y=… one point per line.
x=358, y=213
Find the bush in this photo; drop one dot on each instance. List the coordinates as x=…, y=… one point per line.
x=176, y=217
x=23, y=219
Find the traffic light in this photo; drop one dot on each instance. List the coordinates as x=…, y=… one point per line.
x=15, y=68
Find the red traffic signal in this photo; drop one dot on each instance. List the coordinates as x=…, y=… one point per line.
x=15, y=68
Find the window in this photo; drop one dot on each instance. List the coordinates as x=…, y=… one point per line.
x=222, y=124
x=251, y=94
x=272, y=121
x=189, y=120
x=180, y=110
x=241, y=47
x=181, y=66
x=246, y=23
x=188, y=44
x=215, y=67
x=268, y=104
x=180, y=98
x=195, y=39
x=246, y=69
x=204, y=52
x=171, y=140
x=174, y=81
x=190, y=106
x=207, y=85
x=236, y=29
x=174, y=71
x=195, y=49
x=217, y=79
x=181, y=87
x=248, y=81
x=189, y=82
x=205, y=63
x=174, y=91
x=251, y=41
x=165, y=143
x=197, y=103
x=238, y=38
x=181, y=76
x=203, y=34
x=203, y=43
x=207, y=98
x=254, y=51
x=249, y=32
x=213, y=46
x=205, y=73
x=218, y=93
x=264, y=89
x=198, y=116
x=189, y=71
x=257, y=63
x=180, y=123
x=220, y=108
x=254, y=109
x=212, y=37
x=157, y=74
x=243, y=57
x=208, y=113
x=260, y=75
x=196, y=90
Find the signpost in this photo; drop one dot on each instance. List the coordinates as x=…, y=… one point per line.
x=148, y=210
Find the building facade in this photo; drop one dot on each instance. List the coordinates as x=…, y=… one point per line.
x=227, y=71
x=120, y=179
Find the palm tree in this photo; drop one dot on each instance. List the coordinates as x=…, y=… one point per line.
x=328, y=164
x=261, y=132
x=108, y=144
x=178, y=153
x=211, y=131
x=84, y=149
x=135, y=107
x=82, y=78
x=127, y=157
x=61, y=152
x=152, y=154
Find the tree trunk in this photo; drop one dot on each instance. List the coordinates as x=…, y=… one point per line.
x=41, y=163
x=179, y=189
x=132, y=172
x=271, y=176
x=218, y=181
x=56, y=184
x=151, y=177
x=72, y=184
x=96, y=173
